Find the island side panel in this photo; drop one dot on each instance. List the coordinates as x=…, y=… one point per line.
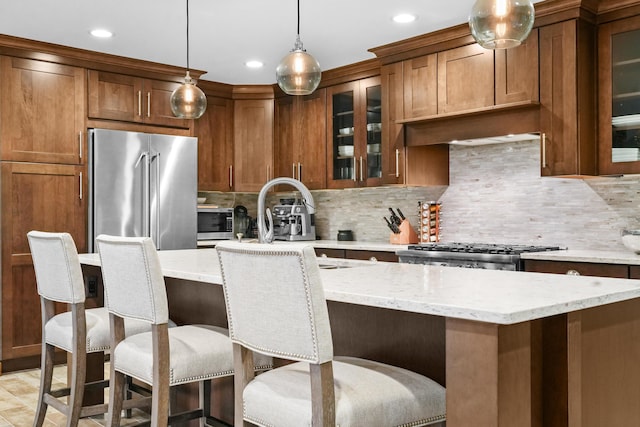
x=412, y=341
x=604, y=365
x=489, y=380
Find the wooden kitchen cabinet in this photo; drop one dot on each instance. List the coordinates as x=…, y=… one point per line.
x=516, y=72
x=582, y=268
x=619, y=97
x=354, y=134
x=357, y=254
x=43, y=197
x=567, y=80
x=465, y=79
x=215, y=145
x=42, y=110
x=300, y=138
x=392, y=148
x=253, y=143
x=420, y=86
x=634, y=272
x=128, y=98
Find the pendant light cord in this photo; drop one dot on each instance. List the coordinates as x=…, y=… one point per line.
x=298, y=17
x=188, y=35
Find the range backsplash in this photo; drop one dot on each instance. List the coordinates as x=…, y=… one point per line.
x=495, y=195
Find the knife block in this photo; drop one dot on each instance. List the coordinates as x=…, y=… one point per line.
x=406, y=235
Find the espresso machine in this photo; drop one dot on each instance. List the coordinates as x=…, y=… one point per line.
x=292, y=221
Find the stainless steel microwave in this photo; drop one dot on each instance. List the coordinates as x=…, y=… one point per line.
x=215, y=223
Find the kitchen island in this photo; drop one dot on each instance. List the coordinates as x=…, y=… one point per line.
x=513, y=348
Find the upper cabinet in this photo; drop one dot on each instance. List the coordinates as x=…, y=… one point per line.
x=469, y=78
x=42, y=111
x=215, y=145
x=619, y=96
x=465, y=79
x=253, y=143
x=567, y=109
x=132, y=99
x=300, y=138
x=354, y=134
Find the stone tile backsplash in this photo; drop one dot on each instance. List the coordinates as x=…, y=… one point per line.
x=495, y=195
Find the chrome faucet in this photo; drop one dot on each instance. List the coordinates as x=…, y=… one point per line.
x=265, y=236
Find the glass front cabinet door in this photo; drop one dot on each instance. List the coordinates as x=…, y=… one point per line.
x=354, y=134
x=619, y=96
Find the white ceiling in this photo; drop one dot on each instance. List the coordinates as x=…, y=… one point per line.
x=225, y=34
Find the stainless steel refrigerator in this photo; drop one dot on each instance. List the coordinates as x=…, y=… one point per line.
x=143, y=184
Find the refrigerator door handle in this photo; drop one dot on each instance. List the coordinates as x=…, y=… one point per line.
x=144, y=156
x=156, y=238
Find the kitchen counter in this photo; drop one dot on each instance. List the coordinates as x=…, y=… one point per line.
x=484, y=334
x=590, y=256
x=498, y=297
x=333, y=244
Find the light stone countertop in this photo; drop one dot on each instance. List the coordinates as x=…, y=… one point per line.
x=492, y=296
x=591, y=256
x=333, y=244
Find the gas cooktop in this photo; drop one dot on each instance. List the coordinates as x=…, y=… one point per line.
x=481, y=248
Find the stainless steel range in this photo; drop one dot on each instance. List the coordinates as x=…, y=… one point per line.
x=470, y=255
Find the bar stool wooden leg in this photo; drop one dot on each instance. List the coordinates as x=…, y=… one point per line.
x=46, y=376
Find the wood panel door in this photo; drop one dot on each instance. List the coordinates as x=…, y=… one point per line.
x=516, y=72
x=42, y=111
x=286, y=137
x=393, y=107
x=558, y=98
x=157, y=95
x=300, y=138
x=42, y=197
x=465, y=79
x=568, y=119
x=253, y=143
x=121, y=97
x=420, y=86
x=215, y=145
x=312, y=147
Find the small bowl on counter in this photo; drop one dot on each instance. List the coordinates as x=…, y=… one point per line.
x=201, y=200
x=631, y=239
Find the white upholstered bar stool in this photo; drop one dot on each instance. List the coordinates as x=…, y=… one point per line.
x=135, y=288
x=276, y=306
x=78, y=331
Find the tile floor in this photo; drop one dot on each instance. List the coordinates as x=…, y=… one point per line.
x=19, y=397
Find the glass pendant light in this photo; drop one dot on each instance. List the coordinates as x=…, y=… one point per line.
x=188, y=101
x=298, y=73
x=501, y=24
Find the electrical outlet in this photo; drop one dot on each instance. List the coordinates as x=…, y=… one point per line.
x=92, y=287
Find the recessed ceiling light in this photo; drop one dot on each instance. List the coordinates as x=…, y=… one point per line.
x=101, y=33
x=404, y=18
x=254, y=64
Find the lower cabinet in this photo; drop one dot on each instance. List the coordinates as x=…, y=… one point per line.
x=357, y=254
x=619, y=271
x=634, y=272
x=45, y=197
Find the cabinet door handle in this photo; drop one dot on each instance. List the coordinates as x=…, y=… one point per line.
x=397, y=163
x=80, y=144
x=230, y=176
x=544, y=150
x=139, y=103
x=299, y=171
x=80, y=186
x=355, y=171
x=268, y=172
x=361, y=168
x=148, y=104
x=293, y=170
